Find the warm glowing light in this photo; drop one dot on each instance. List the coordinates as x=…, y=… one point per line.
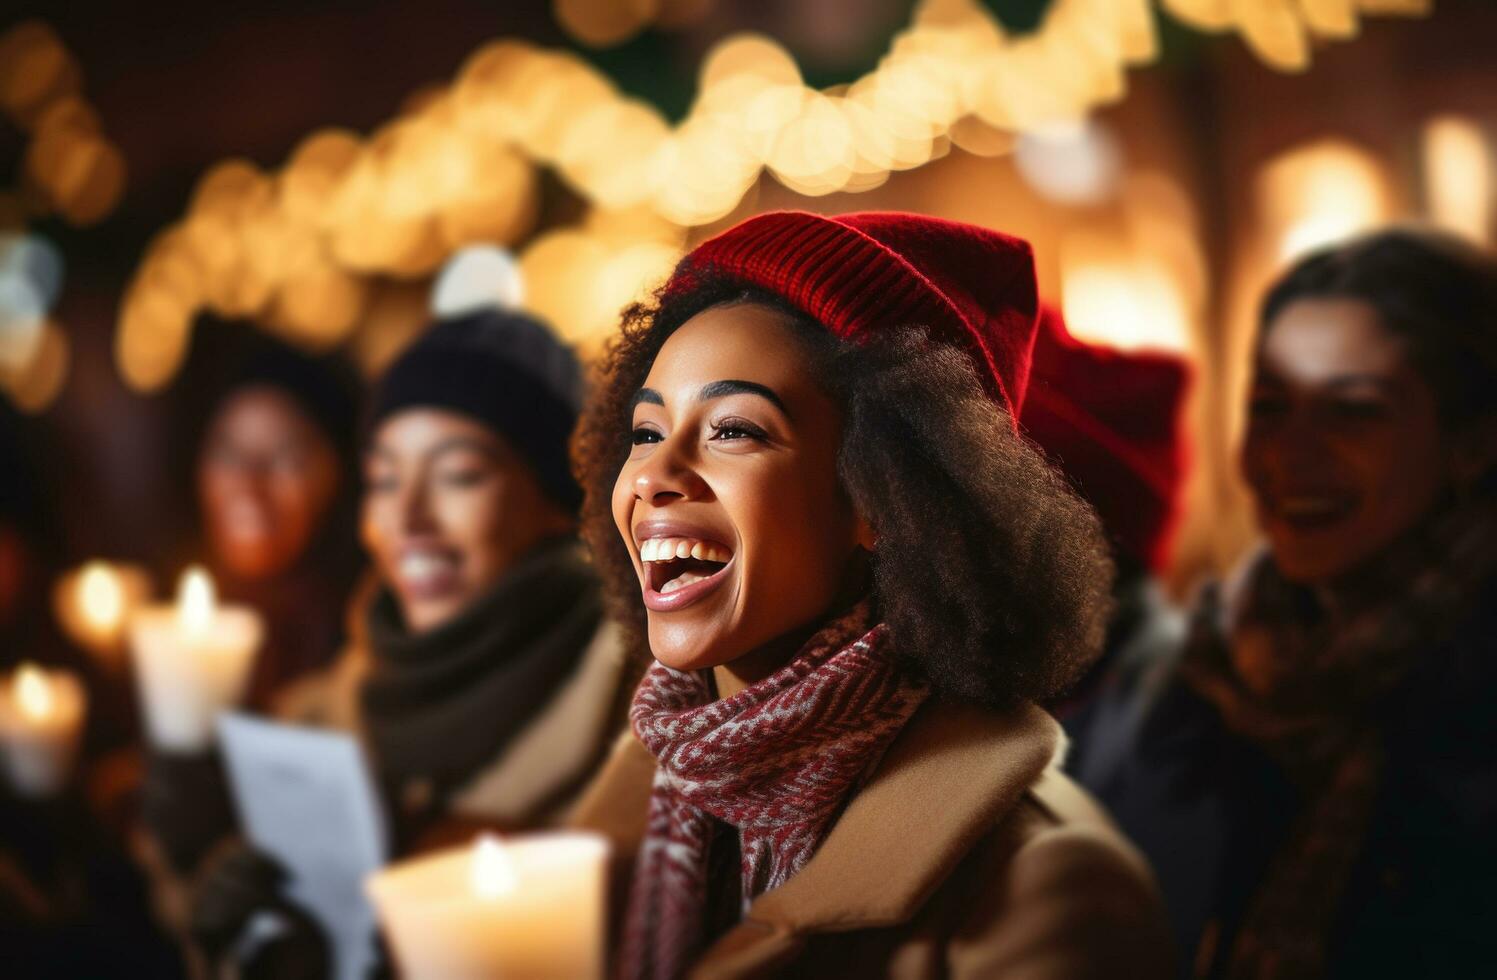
x=101, y=596
x=301, y=250
x=33, y=693
x=1128, y=304
x=1458, y=177
x=492, y=874
x=38, y=384
x=151, y=340
x=1073, y=163
x=1321, y=194
x=604, y=23
x=195, y=600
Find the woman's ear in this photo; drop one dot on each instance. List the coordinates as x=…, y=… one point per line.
x=864, y=536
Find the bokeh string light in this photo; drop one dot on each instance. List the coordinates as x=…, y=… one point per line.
x=69, y=166
x=70, y=169
x=301, y=249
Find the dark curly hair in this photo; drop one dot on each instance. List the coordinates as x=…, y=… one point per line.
x=997, y=585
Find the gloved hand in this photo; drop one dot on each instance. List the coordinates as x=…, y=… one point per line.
x=185, y=805
x=236, y=882
x=237, y=885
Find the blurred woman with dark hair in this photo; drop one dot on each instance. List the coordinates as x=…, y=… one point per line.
x=1317, y=781
x=264, y=446
x=274, y=470
x=810, y=501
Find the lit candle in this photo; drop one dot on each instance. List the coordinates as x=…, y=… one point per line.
x=531, y=907
x=41, y=722
x=191, y=661
x=94, y=602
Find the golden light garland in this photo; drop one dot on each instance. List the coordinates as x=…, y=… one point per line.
x=299, y=248
x=70, y=167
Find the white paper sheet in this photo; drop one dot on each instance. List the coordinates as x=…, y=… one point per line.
x=305, y=797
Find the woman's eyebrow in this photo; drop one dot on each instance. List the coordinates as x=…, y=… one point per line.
x=455, y=443
x=646, y=396
x=720, y=389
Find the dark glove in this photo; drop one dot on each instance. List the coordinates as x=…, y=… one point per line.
x=236, y=884
x=185, y=805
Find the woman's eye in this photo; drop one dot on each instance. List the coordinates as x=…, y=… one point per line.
x=462, y=478
x=1360, y=409
x=730, y=429
x=381, y=483
x=644, y=435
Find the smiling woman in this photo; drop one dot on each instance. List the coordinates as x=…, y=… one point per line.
x=1314, y=781
x=808, y=497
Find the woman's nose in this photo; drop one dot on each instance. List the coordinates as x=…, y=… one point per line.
x=415, y=507
x=668, y=473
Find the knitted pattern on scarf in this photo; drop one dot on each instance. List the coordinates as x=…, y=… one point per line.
x=1308, y=688
x=777, y=761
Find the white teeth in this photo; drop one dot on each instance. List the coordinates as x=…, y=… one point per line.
x=672, y=549
x=423, y=565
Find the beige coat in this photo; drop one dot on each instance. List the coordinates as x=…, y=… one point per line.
x=967, y=854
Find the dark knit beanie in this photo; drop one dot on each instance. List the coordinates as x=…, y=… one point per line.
x=504, y=370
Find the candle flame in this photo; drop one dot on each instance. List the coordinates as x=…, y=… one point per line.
x=195, y=600
x=493, y=874
x=33, y=692
x=100, y=595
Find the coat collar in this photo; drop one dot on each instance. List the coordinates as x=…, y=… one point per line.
x=892, y=846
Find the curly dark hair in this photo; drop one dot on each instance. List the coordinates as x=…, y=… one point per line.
x=998, y=588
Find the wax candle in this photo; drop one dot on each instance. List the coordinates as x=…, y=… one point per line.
x=191, y=660
x=41, y=722
x=93, y=603
x=531, y=907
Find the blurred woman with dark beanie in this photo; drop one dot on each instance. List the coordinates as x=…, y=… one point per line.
x=483, y=678
x=1317, y=782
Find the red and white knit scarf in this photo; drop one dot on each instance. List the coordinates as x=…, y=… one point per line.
x=777, y=761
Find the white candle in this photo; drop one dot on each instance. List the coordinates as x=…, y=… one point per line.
x=41, y=722
x=93, y=603
x=531, y=908
x=192, y=660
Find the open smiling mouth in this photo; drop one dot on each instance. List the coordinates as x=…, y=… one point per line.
x=678, y=571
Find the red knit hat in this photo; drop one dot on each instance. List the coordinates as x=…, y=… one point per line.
x=858, y=273
x=1111, y=421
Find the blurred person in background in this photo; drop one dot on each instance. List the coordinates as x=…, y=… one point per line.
x=1110, y=421
x=71, y=904
x=275, y=471
x=483, y=678
x=265, y=438
x=812, y=505
x=1317, y=781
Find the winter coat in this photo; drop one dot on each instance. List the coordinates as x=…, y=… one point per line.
x=1210, y=810
x=965, y=854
